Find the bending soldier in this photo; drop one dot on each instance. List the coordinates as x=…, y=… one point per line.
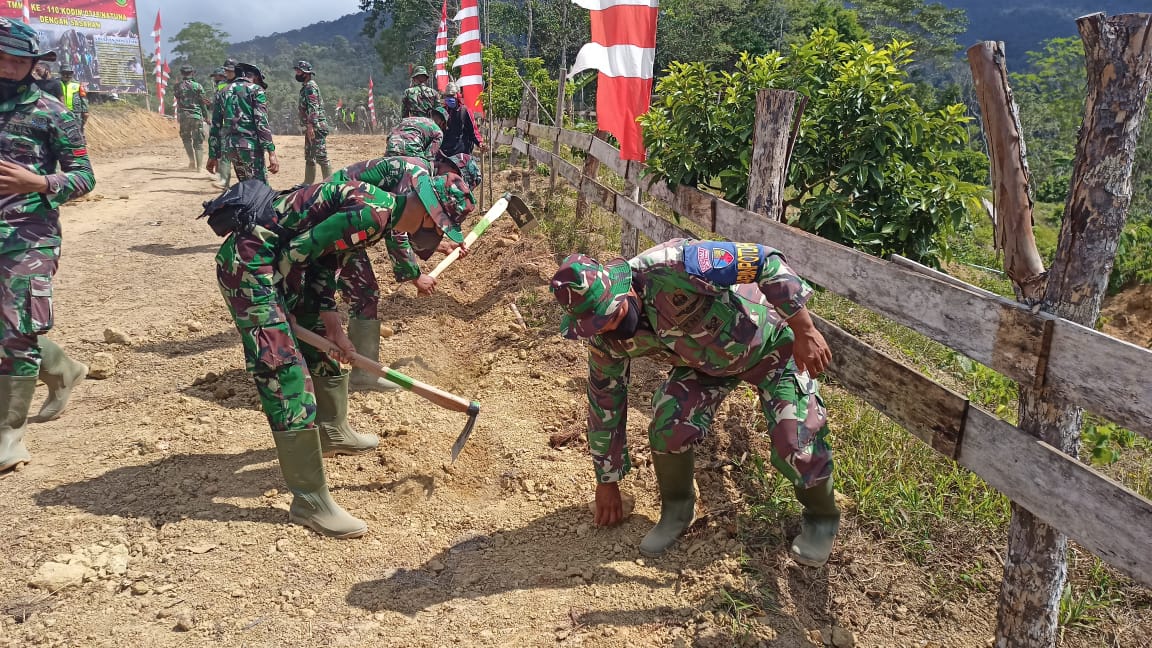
x=419, y=137
x=311, y=111
x=720, y=314
x=281, y=267
x=38, y=134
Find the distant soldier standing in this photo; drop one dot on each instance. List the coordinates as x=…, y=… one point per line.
x=245, y=132
x=223, y=76
x=191, y=102
x=418, y=137
x=38, y=134
x=419, y=100
x=311, y=109
x=75, y=97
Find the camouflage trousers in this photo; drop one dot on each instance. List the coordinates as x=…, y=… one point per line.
x=248, y=163
x=316, y=149
x=192, y=132
x=281, y=366
x=797, y=419
x=25, y=307
x=357, y=283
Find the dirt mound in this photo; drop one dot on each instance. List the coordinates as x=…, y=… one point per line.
x=1128, y=316
x=113, y=128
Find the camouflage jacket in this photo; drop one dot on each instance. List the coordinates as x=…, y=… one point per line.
x=40, y=134
x=311, y=107
x=324, y=227
x=415, y=137
x=244, y=122
x=191, y=100
x=717, y=307
x=392, y=174
x=418, y=101
x=216, y=144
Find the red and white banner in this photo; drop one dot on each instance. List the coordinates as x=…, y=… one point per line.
x=160, y=81
x=27, y=13
x=371, y=104
x=623, y=49
x=442, y=50
x=471, y=80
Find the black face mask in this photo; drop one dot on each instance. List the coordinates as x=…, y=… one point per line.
x=424, y=241
x=10, y=88
x=626, y=329
x=301, y=77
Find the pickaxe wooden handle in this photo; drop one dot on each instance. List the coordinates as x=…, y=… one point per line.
x=496, y=211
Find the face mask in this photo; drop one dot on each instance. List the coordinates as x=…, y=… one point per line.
x=301, y=77
x=424, y=241
x=626, y=329
x=10, y=88
x=451, y=102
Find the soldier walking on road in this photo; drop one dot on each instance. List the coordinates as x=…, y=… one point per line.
x=223, y=76
x=191, y=104
x=314, y=122
x=244, y=131
x=721, y=314
x=419, y=100
x=278, y=265
x=38, y=134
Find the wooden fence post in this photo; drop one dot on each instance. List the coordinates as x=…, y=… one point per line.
x=1118, y=53
x=559, y=124
x=591, y=170
x=768, y=172
x=629, y=235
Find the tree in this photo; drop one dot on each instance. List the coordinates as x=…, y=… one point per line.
x=930, y=27
x=872, y=168
x=200, y=45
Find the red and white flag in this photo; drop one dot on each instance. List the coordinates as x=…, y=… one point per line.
x=471, y=80
x=442, y=50
x=623, y=49
x=27, y=12
x=159, y=70
x=371, y=104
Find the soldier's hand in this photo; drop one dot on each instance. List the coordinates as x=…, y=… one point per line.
x=447, y=247
x=310, y=133
x=15, y=179
x=809, y=349
x=211, y=166
x=425, y=285
x=609, y=506
x=482, y=147
x=273, y=162
x=342, y=347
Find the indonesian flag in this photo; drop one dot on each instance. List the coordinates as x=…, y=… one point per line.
x=471, y=79
x=371, y=104
x=623, y=48
x=159, y=70
x=442, y=49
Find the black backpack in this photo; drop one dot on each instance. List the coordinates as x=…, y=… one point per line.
x=241, y=207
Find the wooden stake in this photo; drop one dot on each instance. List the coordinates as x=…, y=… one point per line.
x=770, y=143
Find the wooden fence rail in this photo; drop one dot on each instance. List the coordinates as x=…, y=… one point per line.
x=1092, y=370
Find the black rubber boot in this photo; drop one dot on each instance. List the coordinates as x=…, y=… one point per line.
x=61, y=374
x=312, y=504
x=15, y=399
x=365, y=336
x=675, y=474
x=336, y=436
x=821, y=524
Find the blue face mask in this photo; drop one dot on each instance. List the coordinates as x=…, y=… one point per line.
x=451, y=102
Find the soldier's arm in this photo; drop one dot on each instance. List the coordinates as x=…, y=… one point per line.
x=313, y=105
x=726, y=264
x=437, y=139
x=260, y=114
x=75, y=177
x=405, y=263
x=385, y=174
x=346, y=215
x=608, y=414
x=320, y=281
x=215, y=128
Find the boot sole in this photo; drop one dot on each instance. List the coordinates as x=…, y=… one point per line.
x=13, y=467
x=808, y=562
x=657, y=554
x=350, y=535
x=41, y=418
x=328, y=454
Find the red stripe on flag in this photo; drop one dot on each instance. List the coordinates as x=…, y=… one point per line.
x=619, y=101
x=625, y=25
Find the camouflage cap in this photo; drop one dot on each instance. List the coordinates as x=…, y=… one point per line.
x=218, y=72
x=187, y=69
x=419, y=70
x=589, y=293
x=448, y=201
x=18, y=39
x=230, y=64
x=303, y=66
x=440, y=110
x=467, y=167
x=67, y=69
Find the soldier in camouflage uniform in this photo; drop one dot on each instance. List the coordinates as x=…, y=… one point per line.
x=721, y=314
x=191, y=104
x=244, y=131
x=419, y=100
x=356, y=277
x=418, y=137
x=311, y=110
x=284, y=270
x=223, y=76
x=38, y=134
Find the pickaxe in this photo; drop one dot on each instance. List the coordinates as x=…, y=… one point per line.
x=515, y=207
x=437, y=396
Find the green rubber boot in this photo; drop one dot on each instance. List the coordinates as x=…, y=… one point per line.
x=325, y=171
x=675, y=474
x=61, y=374
x=336, y=436
x=191, y=156
x=15, y=399
x=365, y=336
x=312, y=504
x=821, y=523
x=200, y=159
x=310, y=172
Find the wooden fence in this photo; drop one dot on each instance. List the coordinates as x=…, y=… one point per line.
x=1089, y=369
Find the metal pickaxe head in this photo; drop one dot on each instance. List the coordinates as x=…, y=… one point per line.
x=473, y=412
x=520, y=213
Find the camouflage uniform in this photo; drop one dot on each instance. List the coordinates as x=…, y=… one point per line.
x=216, y=149
x=356, y=278
x=191, y=102
x=418, y=137
x=38, y=133
x=243, y=134
x=419, y=100
x=716, y=312
x=311, y=110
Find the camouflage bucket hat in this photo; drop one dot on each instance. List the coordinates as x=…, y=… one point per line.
x=304, y=66
x=448, y=201
x=230, y=64
x=218, y=72
x=468, y=169
x=187, y=69
x=67, y=69
x=18, y=39
x=246, y=69
x=589, y=293
x=419, y=70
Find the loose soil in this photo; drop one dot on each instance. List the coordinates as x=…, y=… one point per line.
x=170, y=462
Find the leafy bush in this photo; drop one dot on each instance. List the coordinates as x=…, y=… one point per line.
x=871, y=168
x=502, y=99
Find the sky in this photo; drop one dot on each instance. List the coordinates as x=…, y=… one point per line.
x=240, y=19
